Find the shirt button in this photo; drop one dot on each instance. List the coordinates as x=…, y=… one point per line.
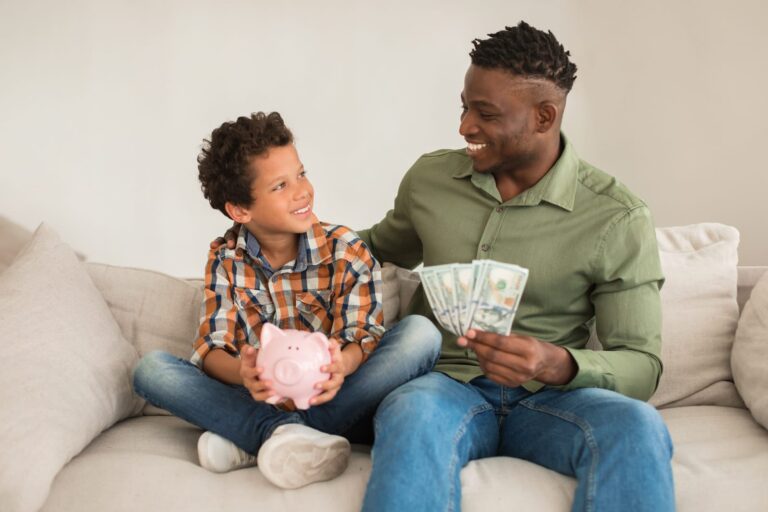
x=499, y=209
x=485, y=247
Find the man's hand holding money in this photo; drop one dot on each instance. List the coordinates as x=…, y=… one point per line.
x=478, y=302
x=511, y=360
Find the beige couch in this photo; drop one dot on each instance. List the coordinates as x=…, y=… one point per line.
x=146, y=460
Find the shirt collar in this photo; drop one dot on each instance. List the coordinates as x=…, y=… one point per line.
x=557, y=186
x=313, y=247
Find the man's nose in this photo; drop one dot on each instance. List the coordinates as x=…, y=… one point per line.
x=467, y=125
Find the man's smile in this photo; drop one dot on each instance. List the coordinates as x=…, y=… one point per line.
x=473, y=148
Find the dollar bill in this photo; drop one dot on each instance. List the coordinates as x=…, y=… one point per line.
x=498, y=292
x=482, y=295
x=463, y=284
x=433, y=291
x=444, y=275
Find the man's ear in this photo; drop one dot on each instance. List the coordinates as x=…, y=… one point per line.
x=237, y=213
x=546, y=115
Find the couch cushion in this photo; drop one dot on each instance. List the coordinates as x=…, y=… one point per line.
x=67, y=368
x=150, y=463
x=749, y=358
x=700, y=314
x=12, y=238
x=390, y=294
x=720, y=461
x=154, y=310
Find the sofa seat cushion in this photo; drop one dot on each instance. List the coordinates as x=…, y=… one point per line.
x=150, y=463
x=721, y=459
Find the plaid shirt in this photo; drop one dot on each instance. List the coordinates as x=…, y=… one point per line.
x=333, y=286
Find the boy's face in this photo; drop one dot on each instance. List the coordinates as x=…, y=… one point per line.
x=282, y=194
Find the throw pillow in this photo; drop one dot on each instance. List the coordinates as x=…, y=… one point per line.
x=67, y=368
x=700, y=314
x=749, y=358
x=390, y=294
x=12, y=239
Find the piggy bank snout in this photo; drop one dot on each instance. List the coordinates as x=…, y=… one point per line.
x=289, y=371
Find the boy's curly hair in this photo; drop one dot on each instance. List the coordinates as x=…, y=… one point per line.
x=528, y=52
x=224, y=162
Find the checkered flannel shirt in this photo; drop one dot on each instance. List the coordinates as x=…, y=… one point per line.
x=333, y=286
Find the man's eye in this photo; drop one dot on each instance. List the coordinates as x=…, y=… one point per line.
x=487, y=116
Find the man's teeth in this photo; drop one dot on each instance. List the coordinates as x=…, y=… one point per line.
x=475, y=147
x=303, y=210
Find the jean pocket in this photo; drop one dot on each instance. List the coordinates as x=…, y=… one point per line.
x=315, y=309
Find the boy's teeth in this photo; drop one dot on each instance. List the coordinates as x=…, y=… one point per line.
x=303, y=210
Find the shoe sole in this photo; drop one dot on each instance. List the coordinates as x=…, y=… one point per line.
x=294, y=461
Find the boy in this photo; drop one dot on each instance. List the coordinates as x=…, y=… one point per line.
x=297, y=273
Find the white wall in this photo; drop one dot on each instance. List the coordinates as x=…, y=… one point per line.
x=104, y=104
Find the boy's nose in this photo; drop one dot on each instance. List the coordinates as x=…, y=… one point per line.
x=301, y=193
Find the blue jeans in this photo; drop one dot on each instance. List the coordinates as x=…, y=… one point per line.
x=406, y=351
x=427, y=430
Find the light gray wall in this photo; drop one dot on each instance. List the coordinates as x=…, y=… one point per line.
x=104, y=105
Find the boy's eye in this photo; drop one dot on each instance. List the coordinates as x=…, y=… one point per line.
x=303, y=174
x=279, y=186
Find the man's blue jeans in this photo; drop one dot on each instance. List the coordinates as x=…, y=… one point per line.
x=406, y=351
x=427, y=430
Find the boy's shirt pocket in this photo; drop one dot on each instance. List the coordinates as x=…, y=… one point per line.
x=256, y=304
x=314, y=310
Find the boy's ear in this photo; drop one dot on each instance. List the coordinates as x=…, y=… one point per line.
x=237, y=213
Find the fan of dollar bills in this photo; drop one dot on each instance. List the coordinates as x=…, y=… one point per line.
x=481, y=295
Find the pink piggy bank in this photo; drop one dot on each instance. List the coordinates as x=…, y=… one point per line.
x=292, y=360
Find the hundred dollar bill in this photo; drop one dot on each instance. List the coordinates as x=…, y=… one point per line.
x=432, y=289
x=479, y=268
x=499, y=288
x=444, y=275
x=463, y=282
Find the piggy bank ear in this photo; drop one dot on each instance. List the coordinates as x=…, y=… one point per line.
x=268, y=333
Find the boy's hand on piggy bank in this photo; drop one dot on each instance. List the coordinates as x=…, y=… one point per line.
x=337, y=370
x=260, y=390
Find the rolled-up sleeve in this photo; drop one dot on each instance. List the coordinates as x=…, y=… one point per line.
x=357, y=309
x=628, y=278
x=219, y=314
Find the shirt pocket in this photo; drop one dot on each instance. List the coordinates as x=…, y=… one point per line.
x=314, y=309
x=255, y=303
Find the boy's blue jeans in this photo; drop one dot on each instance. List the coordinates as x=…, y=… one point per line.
x=427, y=430
x=406, y=351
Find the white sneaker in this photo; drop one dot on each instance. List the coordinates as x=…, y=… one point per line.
x=296, y=455
x=220, y=455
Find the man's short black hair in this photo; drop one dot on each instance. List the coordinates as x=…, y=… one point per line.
x=527, y=52
x=224, y=162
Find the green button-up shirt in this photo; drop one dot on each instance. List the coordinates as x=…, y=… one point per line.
x=589, y=245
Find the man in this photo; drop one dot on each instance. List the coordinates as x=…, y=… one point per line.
x=519, y=193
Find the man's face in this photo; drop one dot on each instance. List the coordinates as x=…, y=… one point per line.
x=282, y=194
x=498, y=119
